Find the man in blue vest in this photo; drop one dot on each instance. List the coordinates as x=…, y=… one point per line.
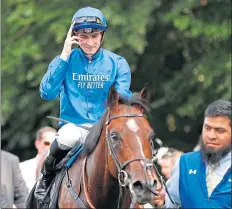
x=81, y=78
x=202, y=179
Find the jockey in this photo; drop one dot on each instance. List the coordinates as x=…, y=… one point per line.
x=81, y=78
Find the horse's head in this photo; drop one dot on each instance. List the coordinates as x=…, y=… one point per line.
x=129, y=137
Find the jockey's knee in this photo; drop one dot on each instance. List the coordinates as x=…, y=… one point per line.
x=68, y=136
x=71, y=135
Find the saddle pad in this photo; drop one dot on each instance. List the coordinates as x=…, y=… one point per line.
x=76, y=151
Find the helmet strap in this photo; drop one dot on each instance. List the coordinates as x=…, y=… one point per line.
x=103, y=34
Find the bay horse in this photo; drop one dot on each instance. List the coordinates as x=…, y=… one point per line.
x=115, y=168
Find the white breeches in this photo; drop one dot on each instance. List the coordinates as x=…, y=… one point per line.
x=70, y=135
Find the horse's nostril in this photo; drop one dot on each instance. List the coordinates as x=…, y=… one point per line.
x=143, y=186
x=138, y=186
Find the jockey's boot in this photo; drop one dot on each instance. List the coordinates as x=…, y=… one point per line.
x=48, y=170
x=48, y=173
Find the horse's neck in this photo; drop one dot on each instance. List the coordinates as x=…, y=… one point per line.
x=100, y=181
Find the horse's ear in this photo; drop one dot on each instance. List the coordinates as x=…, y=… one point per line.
x=112, y=101
x=146, y=93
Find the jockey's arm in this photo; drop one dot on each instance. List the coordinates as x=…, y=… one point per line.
x=123, y=78
x=51, y=84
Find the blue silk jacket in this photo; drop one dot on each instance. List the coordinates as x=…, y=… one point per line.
x=82, y=86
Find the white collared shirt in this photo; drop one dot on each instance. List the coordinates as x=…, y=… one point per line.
x=28, y=169
x=215, y=174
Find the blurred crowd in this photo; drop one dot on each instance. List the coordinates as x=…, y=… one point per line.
x=18, y=178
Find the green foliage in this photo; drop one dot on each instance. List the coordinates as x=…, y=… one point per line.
x=181, y=47
x=191, y=65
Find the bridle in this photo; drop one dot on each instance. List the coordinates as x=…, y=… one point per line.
x=123, y=176
x=121, y=166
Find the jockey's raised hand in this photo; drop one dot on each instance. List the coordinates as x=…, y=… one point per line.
x=69, y=41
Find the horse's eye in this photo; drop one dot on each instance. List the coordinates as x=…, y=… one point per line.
x=114, y=136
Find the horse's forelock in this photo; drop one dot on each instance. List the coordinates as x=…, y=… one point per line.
x=136, y=99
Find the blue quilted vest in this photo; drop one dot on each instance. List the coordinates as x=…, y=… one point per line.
x=193, y=188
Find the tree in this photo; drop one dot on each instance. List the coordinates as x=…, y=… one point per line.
x=188, y=63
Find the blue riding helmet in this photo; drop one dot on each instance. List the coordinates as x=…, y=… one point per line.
x=89, y=18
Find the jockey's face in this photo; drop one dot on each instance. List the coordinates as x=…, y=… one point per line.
x=89, y=43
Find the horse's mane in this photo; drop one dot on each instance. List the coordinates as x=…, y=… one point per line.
x=95, y=132
x=94, y=136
